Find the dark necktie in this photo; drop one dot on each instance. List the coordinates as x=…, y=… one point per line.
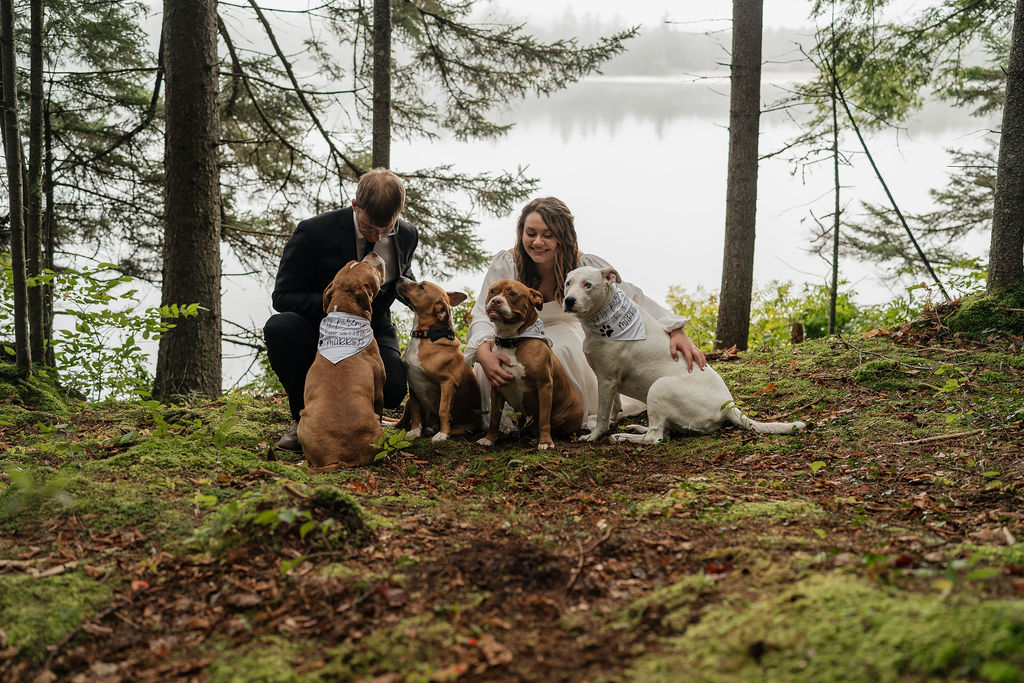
x=367, y=248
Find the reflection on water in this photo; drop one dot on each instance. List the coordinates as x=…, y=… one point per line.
x=606, y=102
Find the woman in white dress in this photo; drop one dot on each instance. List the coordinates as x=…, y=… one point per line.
x=545, y=252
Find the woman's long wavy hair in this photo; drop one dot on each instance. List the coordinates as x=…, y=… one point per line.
x=558, y=218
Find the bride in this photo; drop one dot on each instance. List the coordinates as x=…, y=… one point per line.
x=544, y=253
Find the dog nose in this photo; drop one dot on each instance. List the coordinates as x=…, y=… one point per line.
x=570, y=303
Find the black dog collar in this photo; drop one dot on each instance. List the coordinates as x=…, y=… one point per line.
x=434, y=333
x=510, y=342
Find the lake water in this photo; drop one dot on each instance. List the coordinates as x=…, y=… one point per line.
x=641, y=162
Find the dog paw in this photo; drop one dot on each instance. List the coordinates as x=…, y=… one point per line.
x=440, y=436
x=542, y=446
x=414, y=433
x=485, y=442
x=592, y=436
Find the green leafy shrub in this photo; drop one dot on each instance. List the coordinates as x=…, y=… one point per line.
x=98, y=352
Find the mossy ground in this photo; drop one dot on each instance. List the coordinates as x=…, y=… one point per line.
x=145, y=541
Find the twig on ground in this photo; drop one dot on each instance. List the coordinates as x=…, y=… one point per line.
x=295, y=492
x=583, y=555
x=941, y=437
x=882, y=355
x=579, y=566
x=777, y=416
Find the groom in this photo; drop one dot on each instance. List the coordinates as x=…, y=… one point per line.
x=317, y=249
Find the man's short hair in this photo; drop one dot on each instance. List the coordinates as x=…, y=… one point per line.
x=381, y=195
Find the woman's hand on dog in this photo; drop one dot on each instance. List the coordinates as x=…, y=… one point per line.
x=678, y=343
x=493, y=365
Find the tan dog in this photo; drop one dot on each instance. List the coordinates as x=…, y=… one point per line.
x=442, y=389
x=541, y=388
x=344, y=391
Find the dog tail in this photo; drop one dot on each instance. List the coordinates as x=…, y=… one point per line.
x=736, y=416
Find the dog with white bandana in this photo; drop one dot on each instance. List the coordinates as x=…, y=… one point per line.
x=625, y=347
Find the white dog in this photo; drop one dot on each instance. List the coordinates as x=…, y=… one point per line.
x=625, y=347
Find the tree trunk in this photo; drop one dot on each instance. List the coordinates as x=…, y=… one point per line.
x=381, y=83
x=189, y=357
x=833, y=295
x=12, y=153
x=48, y=239
x=741, y=192
x=34, y=228
x=1006, y=255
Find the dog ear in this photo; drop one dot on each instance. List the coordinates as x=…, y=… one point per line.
x=456, y=298
x=537, y=298
x=441, y=312
x=611, y=275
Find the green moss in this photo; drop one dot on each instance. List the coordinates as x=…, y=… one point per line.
x=683, y=495
x=34, y=393
x=39, y=611
x=836, y=627
x=269, y=658
x=37, y=494
x=671, y=606
x=982, y=314
x=416, y=647
x=405, y=500
x=773, y=510
x=998, y=554
x=157, y=457
x=328, y=520
x=886, y=375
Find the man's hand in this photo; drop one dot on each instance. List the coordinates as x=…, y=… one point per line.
x=678, y=343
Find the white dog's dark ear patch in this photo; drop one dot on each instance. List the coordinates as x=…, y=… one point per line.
x=611, y=275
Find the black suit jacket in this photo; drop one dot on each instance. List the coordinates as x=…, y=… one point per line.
x=317, y=249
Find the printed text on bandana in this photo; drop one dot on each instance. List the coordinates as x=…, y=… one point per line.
x=619, y=320
x=343, y=335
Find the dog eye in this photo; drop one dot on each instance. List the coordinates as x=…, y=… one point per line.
x=421, y=285
x=586, y=285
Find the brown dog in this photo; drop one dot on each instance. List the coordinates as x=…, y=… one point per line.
x=442, y=389
x=541, y=388
x=344, y=392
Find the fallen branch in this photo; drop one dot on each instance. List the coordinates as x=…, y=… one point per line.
x=881, y=355
x=941, y=437
x=778, y=416
x=583, y=555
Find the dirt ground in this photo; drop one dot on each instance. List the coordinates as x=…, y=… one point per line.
x=885, y=542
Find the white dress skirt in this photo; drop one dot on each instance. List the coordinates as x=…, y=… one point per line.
x=566, y=335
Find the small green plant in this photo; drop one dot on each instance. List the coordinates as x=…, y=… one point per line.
x=98, y=352
x=222, y=430
x=389, y=445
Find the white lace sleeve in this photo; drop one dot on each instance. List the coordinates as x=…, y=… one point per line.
x=503, y=267
x=669, y=321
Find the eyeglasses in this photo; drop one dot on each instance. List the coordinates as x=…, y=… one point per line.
x=373, y=231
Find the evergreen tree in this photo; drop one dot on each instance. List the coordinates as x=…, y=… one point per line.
x=741, y=193
x=12, y=155
x=189, y=358
x=1006, y=255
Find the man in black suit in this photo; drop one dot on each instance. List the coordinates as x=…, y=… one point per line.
x=317, y=249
